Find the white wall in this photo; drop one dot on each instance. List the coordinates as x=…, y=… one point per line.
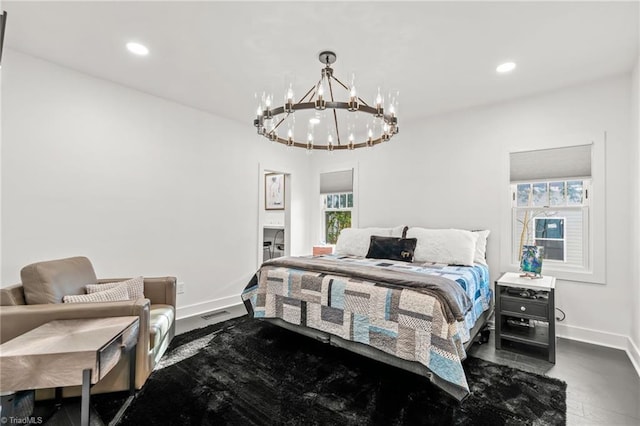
x=452, y=171
x=140, y=185
x=635, y=215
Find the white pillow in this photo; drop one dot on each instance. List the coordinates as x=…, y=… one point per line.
x=481, y=247
x=116, y=294
x=356, y=241
x=397, y=231
x=450, y=246
x=134, y=286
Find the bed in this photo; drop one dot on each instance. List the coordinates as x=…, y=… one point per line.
x=419, y=316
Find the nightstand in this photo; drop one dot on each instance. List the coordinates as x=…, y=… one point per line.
x=525, y=312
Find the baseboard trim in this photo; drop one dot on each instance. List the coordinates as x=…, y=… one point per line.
x=634, y=355
x=602, y=338
x=183, y=312
x=595, y=337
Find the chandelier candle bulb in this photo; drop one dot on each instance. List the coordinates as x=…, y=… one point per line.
x=288, y=106
x=309, y=142
x=353, y=99
x=320, y=102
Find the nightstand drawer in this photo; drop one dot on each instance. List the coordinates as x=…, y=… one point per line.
x=523, y=306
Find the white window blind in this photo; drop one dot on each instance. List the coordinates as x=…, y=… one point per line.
x=336, y=182
x=554, y=163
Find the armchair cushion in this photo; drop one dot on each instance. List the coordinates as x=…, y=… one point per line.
x=50, y=281
x=162, y=318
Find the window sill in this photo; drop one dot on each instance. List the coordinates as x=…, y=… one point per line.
x=570, y=274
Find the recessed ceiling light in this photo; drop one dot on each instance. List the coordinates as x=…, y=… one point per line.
x=137, y=48
x=506, y=67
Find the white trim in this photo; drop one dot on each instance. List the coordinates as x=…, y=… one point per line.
x=602, y=338
x=634, y=355
x=588, y=335
x=183, y=312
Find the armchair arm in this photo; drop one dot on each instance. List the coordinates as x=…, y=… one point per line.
x=11, y=296
x=16, y=320
x=159, y=290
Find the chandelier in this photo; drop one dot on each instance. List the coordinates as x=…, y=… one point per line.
x=278, y=124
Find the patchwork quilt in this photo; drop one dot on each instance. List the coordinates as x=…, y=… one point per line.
x=417, y=312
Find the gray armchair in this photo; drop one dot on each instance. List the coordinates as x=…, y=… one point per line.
x=38, y=300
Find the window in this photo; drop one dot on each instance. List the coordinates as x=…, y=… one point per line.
x=337, y=215
x=336, y=192
x=550, y=206
x=553, y=215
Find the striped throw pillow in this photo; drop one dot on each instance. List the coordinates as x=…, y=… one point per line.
x=114, y=294
x=135, y=287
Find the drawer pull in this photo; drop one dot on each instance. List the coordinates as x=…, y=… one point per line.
x=522, y=308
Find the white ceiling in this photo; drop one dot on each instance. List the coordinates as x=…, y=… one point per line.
x=441, y=56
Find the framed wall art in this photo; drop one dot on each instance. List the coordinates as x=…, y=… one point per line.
x=274, y=191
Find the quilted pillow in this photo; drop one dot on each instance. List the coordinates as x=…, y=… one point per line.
x=450, y=246
x=392, y=248
x=134, y=286
x=115, y=294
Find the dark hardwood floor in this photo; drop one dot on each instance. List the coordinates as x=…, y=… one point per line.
x=603, y=388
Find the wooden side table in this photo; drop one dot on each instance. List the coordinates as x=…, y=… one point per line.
x=525, y=312
x=69, y=353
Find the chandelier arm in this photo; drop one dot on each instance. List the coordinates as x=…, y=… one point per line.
x=346, y=88
x=335, y=120
x=335, y=114
x=280, y=122
x=306, y=94
x=330, y=89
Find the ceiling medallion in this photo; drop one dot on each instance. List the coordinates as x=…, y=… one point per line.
x=278, y=123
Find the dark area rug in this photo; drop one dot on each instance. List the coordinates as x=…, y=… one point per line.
x=244, y=371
